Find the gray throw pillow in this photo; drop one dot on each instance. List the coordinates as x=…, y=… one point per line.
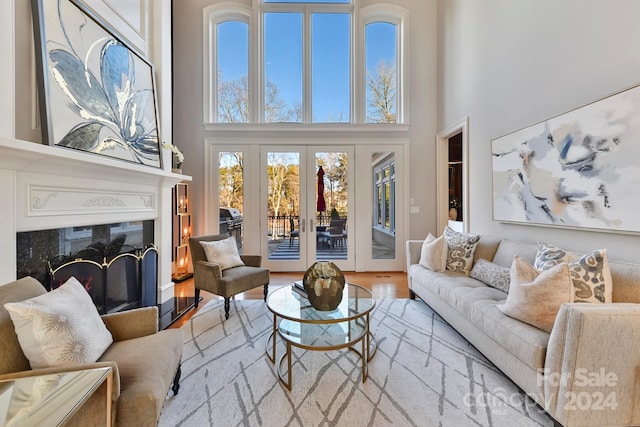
x=460, y=250
x=491, y=274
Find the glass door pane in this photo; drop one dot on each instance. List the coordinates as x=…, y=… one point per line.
x=284, y=220
x=383, y=236
x=306, y=207
x=332, y=232
x=331, y=207
x=231, y=194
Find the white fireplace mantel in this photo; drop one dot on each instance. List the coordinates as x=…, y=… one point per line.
x=45, y=187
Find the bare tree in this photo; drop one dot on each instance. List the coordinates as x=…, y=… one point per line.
x=381, y=94
x=231, y=179
x=233, y=103
x=233, y=100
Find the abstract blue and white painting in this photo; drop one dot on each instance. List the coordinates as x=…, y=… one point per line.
x=580, y=169
x=98, y=93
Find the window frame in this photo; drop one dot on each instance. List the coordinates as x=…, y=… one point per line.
x=254, y=17
x=384, y=174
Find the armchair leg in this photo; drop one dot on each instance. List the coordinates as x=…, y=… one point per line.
x=176, y=380
x=266, y=291
x=226, y=307
x=197, y=297
x=412, y=295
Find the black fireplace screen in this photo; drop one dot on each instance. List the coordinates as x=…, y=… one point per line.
x=116, y=285
x=117, y=263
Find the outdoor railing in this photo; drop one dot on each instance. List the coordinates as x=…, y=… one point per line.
x=279, y=226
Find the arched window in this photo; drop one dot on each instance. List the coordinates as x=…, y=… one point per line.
x=303, y=65
x=384, y=55
x=232, y=77
x=381, y=66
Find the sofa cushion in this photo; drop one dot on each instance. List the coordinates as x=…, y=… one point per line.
x=477, y=303
x=460, y=250
x=61, y=327
x=486, y=247
x=510, y=248
x=433, y=254
x=480, y=307
x=534, y=296
x=491, y=274
x=590, y=272
x=146, y=367
x=223, y=252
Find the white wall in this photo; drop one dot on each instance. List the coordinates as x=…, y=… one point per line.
x=509, y=64
x=188, y=93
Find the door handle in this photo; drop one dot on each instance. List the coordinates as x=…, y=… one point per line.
x=302, y=221
x=311, y=224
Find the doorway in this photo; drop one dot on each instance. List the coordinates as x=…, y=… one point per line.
x=305, y=209
x=452, y=178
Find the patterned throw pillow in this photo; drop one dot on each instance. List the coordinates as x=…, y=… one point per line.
x=223, y=252
x=61, y=327
x=433, y=254
x=549, y=255
x=590, y=272
x=493, y=275
x=461, y=247
x=535, y=296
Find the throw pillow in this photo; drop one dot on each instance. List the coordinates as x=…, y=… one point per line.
x=491, y=274
x=460, y=250
x=549, y=255
x=534, y=296
x=590, y=272
x=433, y=254
x=223, y=252
x=61, y=327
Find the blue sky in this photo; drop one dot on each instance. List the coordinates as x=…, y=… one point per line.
x=330, y=55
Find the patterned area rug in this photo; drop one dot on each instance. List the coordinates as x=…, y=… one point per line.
x=424, y=374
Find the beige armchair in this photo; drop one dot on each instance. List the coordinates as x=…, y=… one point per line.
x=210, y=277
x=145, y=362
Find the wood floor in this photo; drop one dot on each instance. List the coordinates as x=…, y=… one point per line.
x=382, y=284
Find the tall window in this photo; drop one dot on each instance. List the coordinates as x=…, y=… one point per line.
x=299, y=67
x=330, y=67
x=233, y=71
x=381, y=72
x=283, y=68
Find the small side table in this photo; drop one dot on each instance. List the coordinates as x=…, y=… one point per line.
x=50, y=400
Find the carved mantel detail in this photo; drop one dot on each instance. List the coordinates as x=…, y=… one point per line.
x=45, y=200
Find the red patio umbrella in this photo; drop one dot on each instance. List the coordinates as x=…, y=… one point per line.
x=320, y=203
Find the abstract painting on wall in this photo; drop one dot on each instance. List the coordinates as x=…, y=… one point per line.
x=579, y=169
x=96, y=93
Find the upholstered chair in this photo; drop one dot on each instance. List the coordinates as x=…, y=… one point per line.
x=209, y=276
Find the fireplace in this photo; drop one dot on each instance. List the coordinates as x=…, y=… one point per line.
x=46, y=188
x=116, y=263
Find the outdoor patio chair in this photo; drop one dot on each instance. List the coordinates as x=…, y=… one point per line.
x=229, y=282
x=293, y=233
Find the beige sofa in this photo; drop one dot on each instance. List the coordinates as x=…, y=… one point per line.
x=586, y=372
x=145, y=362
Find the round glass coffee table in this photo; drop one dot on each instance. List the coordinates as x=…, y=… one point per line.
x=300, y=325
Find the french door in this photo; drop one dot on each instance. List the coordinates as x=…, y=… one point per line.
x=305, y=206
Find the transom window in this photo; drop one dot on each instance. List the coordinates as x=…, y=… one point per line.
x=304, y=64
